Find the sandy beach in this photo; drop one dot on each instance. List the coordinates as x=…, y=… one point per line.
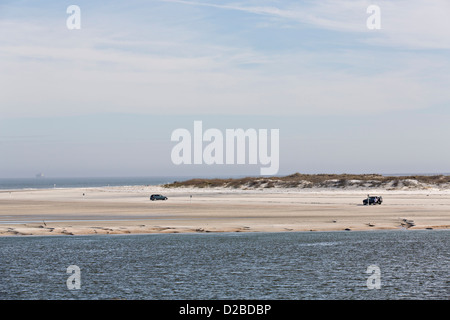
x=128, y=210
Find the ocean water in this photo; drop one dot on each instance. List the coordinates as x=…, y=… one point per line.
x=412, y=264
x=44, y=183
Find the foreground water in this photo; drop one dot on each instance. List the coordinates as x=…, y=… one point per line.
x=288, y=266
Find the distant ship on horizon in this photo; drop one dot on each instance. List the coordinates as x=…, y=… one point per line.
x=39, y=175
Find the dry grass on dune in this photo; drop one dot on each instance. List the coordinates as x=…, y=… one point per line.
x=298, y=180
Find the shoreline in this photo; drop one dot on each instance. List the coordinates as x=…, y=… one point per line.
x=223, y=232
x=128, y=210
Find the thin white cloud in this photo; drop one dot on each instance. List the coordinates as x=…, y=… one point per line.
x=48, y=71
x=421, y=24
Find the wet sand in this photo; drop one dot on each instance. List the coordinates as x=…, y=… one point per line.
x=128, y=210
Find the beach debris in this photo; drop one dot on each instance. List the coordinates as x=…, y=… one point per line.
x=67, y=232
x=348, y=229
x=12, y=230
x=407, y=223
x=334, y=221
x=371, y=224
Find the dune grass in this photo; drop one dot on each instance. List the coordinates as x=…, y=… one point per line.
x=298, y=180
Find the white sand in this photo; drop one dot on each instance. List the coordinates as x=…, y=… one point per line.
x=120, y=210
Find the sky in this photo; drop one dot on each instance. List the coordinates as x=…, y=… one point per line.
x=104, y=99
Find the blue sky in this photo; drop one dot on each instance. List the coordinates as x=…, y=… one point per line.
x=103, y=100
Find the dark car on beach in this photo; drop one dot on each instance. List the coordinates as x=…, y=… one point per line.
x=372, y=200
x=154, y=197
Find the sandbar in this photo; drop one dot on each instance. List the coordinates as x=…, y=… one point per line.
x=128, y=210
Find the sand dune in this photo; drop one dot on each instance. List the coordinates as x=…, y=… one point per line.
x=128, y=210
